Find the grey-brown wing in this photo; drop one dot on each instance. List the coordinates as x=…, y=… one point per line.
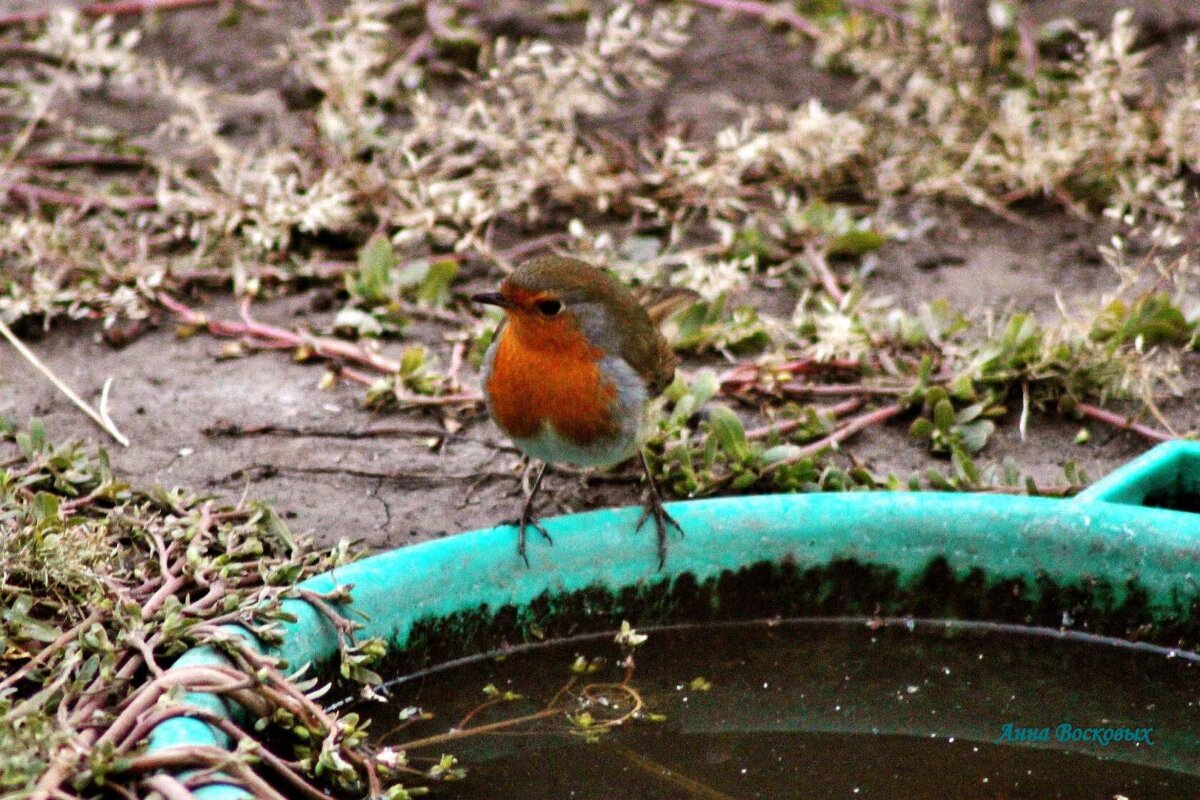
x=648, y=352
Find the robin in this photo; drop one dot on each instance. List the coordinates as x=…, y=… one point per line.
x=572, y=369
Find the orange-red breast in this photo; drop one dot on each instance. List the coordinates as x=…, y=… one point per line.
x=571, y=372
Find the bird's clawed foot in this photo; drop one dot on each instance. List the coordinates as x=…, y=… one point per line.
x=524, y=523
x=528, y=520
x=653, y=509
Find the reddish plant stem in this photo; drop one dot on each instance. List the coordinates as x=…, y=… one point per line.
x=299, y=704
x=168, y=786
x=1125, y=423
x=836, y=411
x=829, y=281
x=281, y=767
x=420, y=48
x=743, y=377
x=116, y=8
x=765, y=11
x=321, y=346
x=51, y=161
x=33, y=194
x=206, y=756
x=195, y=678
x=856, y=389
x=1027, y=42
x=876, y=417
x=343, y=626
x=48, y=650
x=358, y=376
x=68, y=755
x=490, y=727
x=270, y=336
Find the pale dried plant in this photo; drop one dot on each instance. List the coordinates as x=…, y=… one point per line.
x=829, y=330
x=442, y=168
x=772, y=147
x=511, y=144
x=1078, y=130
x=62, y=263
x=1181, y=117
x=940, y=123
x=817, y=146
x=349, y=59
x=95, y=53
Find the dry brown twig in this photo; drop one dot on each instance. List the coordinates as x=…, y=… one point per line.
x=116, y=9
x=99, y=418
x=33, y=195
x=768, y=12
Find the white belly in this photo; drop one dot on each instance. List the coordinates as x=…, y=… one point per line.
x=549, y=446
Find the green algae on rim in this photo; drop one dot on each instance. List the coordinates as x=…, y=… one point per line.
x=1119, y=559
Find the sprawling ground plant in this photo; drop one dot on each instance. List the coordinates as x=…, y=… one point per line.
x=105, y=584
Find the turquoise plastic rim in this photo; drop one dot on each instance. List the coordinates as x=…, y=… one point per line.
x=1104, y=533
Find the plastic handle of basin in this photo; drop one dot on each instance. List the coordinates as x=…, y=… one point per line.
x=1169, y=468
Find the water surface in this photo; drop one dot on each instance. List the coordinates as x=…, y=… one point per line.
x=816, y=710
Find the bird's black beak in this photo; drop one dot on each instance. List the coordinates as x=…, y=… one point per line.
x=491, y=299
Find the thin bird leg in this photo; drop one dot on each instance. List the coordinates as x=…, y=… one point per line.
x=527, y=520
x=654, y=508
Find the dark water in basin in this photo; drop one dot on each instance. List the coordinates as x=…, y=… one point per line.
x=822, y=710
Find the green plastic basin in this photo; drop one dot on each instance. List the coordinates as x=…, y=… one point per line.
x=1122, y=558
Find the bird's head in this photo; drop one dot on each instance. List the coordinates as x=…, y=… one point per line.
x=551, y=301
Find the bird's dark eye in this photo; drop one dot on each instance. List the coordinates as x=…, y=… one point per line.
x=549, y=307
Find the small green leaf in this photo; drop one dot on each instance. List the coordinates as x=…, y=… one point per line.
x=969, y=414
x=964, y=467
x=943, y=416
x=704, y=386
x=963, y=388
x=855, y=242
x=781, y=452
x=45, y=507
x=435, y=286
x=1152, y=318
x=372, y=281
x=729, y=431
x=921, y=428
x=975, y=435
x=743, y=481
x=938, y=481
